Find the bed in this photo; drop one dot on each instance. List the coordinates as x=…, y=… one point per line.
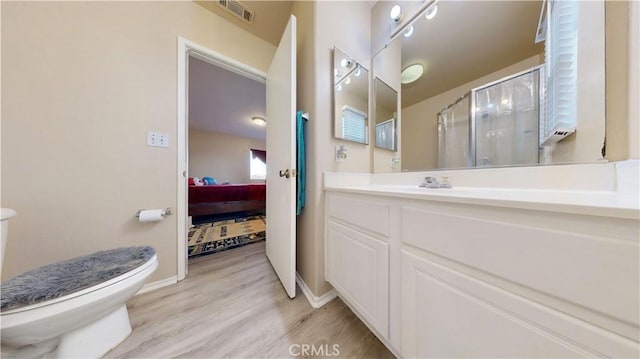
x=227, y=198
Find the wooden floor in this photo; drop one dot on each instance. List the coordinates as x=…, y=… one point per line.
x=232, y=306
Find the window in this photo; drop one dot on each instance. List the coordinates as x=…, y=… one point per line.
x=354, y=125
x=257, y=164
x=561, y=54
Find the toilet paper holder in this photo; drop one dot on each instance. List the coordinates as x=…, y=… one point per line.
x=167, y=211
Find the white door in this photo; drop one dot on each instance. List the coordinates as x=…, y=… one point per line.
x=281, y=160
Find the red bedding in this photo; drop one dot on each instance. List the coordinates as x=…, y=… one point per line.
x=227, y=193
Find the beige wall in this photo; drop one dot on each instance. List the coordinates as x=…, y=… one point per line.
x=221, y=156
x=420, y=127
x=82, y=83
x=348, y=29
x=633, y=130
x=617, y=23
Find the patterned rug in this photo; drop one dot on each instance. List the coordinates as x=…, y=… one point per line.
x=207, y=238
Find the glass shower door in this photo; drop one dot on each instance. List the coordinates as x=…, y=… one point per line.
x=506, y=119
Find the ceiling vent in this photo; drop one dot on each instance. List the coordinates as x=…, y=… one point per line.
x=238, y=9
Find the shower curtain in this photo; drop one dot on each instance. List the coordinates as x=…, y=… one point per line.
x=453, y=135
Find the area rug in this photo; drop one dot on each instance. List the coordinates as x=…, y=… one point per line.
x=207, y=238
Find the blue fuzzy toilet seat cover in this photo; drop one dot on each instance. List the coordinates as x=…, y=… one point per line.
x=70, y=276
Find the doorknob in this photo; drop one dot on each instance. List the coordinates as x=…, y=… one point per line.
x=284, y=173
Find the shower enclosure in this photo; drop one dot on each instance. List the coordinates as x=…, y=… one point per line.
x=497, y=124
x=453, y=134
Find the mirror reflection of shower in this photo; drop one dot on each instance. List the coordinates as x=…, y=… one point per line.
x=496, y=124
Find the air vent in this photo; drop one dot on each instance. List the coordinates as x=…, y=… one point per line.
x=239, y=10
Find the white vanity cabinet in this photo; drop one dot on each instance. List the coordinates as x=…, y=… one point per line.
x=473, y=280
x=357, y=257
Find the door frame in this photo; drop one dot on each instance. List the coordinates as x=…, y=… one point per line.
x=188, y=48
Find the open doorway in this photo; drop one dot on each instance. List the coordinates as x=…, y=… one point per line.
x=226, y=160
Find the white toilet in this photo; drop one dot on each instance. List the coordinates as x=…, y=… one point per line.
x=84, y=324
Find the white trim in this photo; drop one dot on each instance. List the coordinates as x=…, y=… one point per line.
x=186, y=48
x=158, y=284
x=315, y=301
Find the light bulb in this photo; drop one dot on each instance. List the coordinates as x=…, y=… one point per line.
x=409, y=31
x=345, y=63
x=396, y=13
x=347, y=80
x=431, y=12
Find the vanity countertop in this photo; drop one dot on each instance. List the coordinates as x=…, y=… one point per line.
x=595, y=203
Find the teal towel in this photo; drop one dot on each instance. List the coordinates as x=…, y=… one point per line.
x=302, y=171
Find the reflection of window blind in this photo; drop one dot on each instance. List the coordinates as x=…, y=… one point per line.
x=561, y=55
x=354, y=125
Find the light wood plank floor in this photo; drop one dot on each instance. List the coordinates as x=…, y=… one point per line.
x=232, y=306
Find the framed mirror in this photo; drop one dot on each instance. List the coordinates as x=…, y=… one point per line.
x=513, y=83
x=350, y=98
x=385, y=115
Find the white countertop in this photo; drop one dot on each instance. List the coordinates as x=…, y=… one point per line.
x=595, y=203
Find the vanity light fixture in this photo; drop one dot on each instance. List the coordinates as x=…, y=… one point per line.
x=411, y=73
x=260, y=121
x=396, y=13
x=345, y=62
x=408, y=31
x=431, y=12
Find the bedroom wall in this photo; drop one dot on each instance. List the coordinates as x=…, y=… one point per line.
x=221, y=156
x=82, y=83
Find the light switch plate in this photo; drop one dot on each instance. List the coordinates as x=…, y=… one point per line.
x=157, y=139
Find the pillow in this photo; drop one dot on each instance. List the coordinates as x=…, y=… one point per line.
x=191, y=182
x=209, y=180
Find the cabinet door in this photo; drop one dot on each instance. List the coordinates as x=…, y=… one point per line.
x=358, y=267
x=447, y=314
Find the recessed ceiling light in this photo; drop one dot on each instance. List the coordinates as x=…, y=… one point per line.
x=338, y=87
x=431, y=12
x=396, y=13
x=411, y=73
x=260, y=121
x=345, y=62
x=356, y=73
x=347, y=80
x=408, y=31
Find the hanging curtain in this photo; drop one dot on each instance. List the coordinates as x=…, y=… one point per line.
x=259, y=154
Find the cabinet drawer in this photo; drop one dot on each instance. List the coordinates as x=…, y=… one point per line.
x=449, y=314
x=358, y=267
x=369, y=215
x=595, y=272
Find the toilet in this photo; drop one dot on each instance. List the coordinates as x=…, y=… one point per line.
x=85, y=323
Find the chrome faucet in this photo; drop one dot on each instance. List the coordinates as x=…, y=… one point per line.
x=432, y=182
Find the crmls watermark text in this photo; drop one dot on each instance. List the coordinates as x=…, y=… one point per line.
x=324, y=350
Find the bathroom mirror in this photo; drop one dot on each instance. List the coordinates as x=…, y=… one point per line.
x=385, y=115
x=488, y=92
x=350, y=98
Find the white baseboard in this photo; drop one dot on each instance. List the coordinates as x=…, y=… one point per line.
x=316, y=302
x=158, y=284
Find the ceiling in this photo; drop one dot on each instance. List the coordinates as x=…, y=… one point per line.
x=223, y=101
x=467, y=40
x=270, y=19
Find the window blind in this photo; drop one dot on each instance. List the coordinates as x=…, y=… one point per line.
x=561, y=58
x=354, y=125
